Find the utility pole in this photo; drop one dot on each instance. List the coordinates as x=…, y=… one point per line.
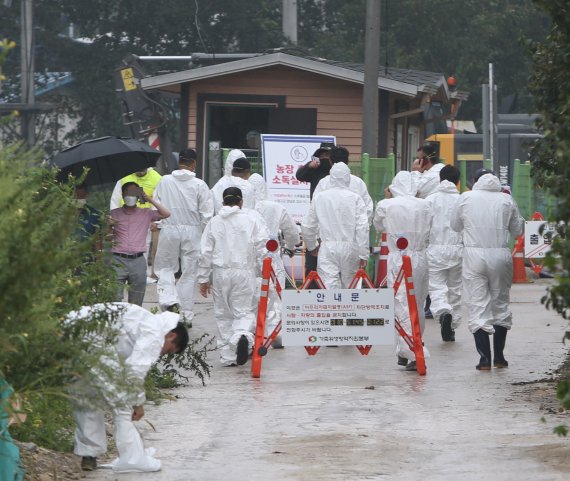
x=493, y=128
x=370, y=90
x=290, y=20
x=28, y=121
x=490, y=127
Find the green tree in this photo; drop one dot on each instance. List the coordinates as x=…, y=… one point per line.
x=550, y=86
x=447, y=36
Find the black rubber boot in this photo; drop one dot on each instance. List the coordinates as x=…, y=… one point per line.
x=242, y=350
x=402, y=361
x=499, y=339
x=447, y=333
x=484, y=349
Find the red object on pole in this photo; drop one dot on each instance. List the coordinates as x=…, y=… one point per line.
x=382, y=275
x=154, y=140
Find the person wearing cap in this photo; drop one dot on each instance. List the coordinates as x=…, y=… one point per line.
x=426, y=169
x=357, y=185
x=339, y=216
x=318, y=168
x=230, y=180
x=445, y=255
x=279, y=224
x=402, y=214
x=117, y=383
x=231, y=250
x=191, y=207
x=488, y=220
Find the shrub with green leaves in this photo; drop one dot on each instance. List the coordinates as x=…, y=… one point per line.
x=45, y=272
x=550, y=86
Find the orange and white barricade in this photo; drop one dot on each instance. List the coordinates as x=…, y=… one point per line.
x=263, y=342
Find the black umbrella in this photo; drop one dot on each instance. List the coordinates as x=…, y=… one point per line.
x=108, y=159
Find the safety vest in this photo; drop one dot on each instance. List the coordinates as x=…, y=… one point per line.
x=147, y=182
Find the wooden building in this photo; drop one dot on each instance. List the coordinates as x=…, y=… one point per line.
x=279, y=93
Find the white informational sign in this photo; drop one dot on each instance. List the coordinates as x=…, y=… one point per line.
x=338, y=317
x=282, y=156
x=537, y=243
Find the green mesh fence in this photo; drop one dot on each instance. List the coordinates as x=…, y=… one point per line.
x=529, y=197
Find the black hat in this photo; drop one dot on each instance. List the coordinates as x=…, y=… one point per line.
x=325, y=147
x=232, y=196
x=187, y=155
x=481, y=172
x=241, y=164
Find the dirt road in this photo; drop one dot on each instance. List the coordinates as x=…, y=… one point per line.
x=343, y=416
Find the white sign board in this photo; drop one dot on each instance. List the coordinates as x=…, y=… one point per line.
x=338, y=317
x=282, y=156
x=537, y=243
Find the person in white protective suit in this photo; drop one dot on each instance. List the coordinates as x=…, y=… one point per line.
x=488, y=219
x=278, y=222
x=425, y=169
x=338, y=216
x=118, y=383
x=179, y=246
x=402, y=214
x=356, y=185
x=232, y=247
x=229, y=180
x=445, y=255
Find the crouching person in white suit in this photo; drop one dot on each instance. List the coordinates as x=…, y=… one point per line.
x=117, y=384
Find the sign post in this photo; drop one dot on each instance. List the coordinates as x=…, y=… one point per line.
x=538, y=237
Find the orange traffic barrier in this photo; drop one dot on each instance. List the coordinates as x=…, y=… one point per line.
x=519, y=271
x=414, y=342
x=382, y=274
x=262, y=343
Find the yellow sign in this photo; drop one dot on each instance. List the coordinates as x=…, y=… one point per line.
x=129, y=80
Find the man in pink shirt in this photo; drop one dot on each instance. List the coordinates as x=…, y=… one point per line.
x=129, y=225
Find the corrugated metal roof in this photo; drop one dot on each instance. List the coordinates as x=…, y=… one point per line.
x=405, y=81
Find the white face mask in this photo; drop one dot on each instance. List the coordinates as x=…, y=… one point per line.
x=130, y=200
x=80, y=202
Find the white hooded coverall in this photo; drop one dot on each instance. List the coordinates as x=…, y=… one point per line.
x=232, y=246
x=138, y=345
x=427, y=181
x=190, y=203
x=338, y=215
x=489, y=219
x=228, y=180
x=278, y=221
x=357, y=186
x=445, y=254
x=406, y=216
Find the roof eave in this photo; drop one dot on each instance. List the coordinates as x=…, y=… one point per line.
x=269, y=60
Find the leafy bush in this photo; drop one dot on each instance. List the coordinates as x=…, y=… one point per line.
x=550, y=86
x=45, y=272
